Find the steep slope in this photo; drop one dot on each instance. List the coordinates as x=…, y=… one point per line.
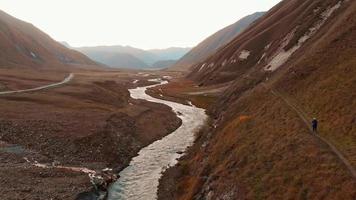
x=22, y=44
x=214, y=42
x=266, y=46
x=295, y=63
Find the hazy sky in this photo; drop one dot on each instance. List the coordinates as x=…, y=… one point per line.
x=139, y=23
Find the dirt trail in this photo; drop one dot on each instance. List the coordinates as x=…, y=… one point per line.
x=307, y=120
x=65, y=80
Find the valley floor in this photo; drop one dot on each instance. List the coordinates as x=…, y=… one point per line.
x=260, y=148
x=89, y=122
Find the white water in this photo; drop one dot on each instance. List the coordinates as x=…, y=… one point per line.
x=139, y=181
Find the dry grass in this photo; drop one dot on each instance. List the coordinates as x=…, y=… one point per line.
x=267, y=155
x=271, y=155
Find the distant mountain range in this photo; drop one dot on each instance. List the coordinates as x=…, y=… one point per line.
x=22, y=43
x=163, y=64
x=113, y=59
x=214, y=42
x=176, y=58
x=129, y=57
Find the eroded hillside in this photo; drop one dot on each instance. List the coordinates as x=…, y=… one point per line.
x=295, y=63
x=214, y=42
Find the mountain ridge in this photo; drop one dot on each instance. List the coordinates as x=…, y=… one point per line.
x=24, y=45
x=146, y=57
x=214, y=42
x=293, y=64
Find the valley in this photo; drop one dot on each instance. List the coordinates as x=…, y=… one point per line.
x=261, y=109
x=141, y=178
x=70, y=125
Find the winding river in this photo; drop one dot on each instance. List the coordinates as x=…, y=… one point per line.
x=139, y=181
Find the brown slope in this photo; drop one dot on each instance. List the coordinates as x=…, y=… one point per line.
x=22, y=44
x=214, y=42
x=261, y=147
x=278, y=31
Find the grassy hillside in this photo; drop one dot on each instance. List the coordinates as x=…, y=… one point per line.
x=257, y=145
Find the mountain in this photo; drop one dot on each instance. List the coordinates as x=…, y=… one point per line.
x=115, y=60
x=144, y=56
x=22, y=44
x=294, y=63
x=161, y=64
x=214, y=42
x=138, y=58
x=172, y=53
x=268, y=44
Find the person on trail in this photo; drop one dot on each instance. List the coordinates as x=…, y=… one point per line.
x=315, y=125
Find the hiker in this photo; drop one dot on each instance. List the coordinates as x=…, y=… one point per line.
x=315, y=125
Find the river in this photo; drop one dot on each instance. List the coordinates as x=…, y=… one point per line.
x=140, y=180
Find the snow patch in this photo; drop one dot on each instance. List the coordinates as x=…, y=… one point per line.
x=282, y=56
x=224, y=63
x=316, y=9
x=33, y=55
x=135, y=81
x=262, y=57
x=26, y=159
x=202, y=67
x=107, y=169
x=244, y=55
x=330, y=11
x=268, y=46
x=40, y=165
